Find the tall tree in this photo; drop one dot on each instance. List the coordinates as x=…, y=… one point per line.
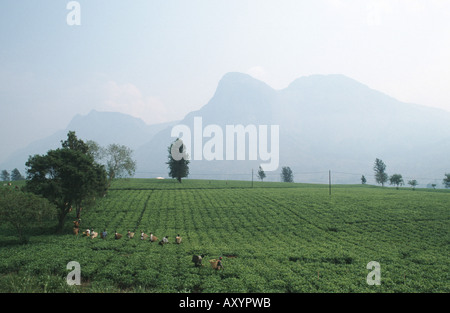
x=22, y=210
x=286, y=174
x=119, y=161
x=413, y=183
x=178, y=160
x=5, y=175
x=396, y=180
x=96, y=151
x=363, y=180
x=116, y=158
x=75, y=144
x=380, y=175
x=15, y=175
x=68, y=177
x=446, y=181
x=261, y=173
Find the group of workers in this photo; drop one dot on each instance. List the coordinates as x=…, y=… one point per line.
x=92, y=234
x=196, y=259
x=215, y=263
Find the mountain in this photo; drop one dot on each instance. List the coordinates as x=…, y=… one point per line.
x=103, y=127
x=326, y=122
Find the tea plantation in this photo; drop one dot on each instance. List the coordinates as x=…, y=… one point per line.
x=273, y=237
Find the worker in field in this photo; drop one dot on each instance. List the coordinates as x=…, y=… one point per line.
x=164, y=240
x=219, y=264
x=93, y=234
x=178, y=239
x=216, y=264
x=197, y=259
x=104, y=233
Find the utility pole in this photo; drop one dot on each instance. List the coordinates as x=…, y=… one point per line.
x=329, y=181
x=252, y=178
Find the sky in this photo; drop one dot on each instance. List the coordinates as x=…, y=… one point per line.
x=159, y=60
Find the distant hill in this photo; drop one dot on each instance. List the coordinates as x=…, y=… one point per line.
x=326, y=122
x=103, y=127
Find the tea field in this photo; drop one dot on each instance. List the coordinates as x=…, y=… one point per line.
x=273, y=237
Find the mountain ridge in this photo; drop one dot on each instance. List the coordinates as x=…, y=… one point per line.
x=318, y=115
x=99, y=126
x=326, y=122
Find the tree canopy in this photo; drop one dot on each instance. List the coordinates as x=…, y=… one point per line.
x=363, y=180
x=413, y=183
x=116, y=158
x=446, y=181
x=396, y=180
x=15, y=175
x=5, y=176
x=286, y=174
x=380, y=175
x=21, y=209
x=68, y=176
x=178, y=160
x=261, y=173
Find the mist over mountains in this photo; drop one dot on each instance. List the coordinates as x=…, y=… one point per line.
x=103, y=127
x=326, y=122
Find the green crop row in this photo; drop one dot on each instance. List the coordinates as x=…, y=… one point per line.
x=293, y=239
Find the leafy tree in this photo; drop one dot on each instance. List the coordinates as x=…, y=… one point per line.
x=119, y=162
x=178, y=160
x=413, y=183
x=15, y=175
x=68, y=177
x=117, y=159
x=5, y=175
x=286, y=174
x=363, y=180
x=446, y=181
x=75, y=144
x=396, y=180
x=433, y=185
x=22, y=209
x=261, y=173
x=95, y=150
x=380, y=175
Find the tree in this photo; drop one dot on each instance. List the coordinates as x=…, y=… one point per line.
x=22, y=209
x=380, y=175
x=68, y=177
x=363, y=180
x=446, y=181
x=75, y=144
x=117, y=159
x=15, y=175
x=261, y=173
x=95, y=151
x=433, y=185
x=413, y=183
x=286, y=174
x=5, y=175
x=396, y=180
x=178, y=160
x=119, y=162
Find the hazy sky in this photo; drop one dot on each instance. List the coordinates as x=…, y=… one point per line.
x=160, y=59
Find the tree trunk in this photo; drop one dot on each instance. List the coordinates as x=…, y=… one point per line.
x=61, y=219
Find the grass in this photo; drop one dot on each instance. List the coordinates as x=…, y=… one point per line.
x=274, y=237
